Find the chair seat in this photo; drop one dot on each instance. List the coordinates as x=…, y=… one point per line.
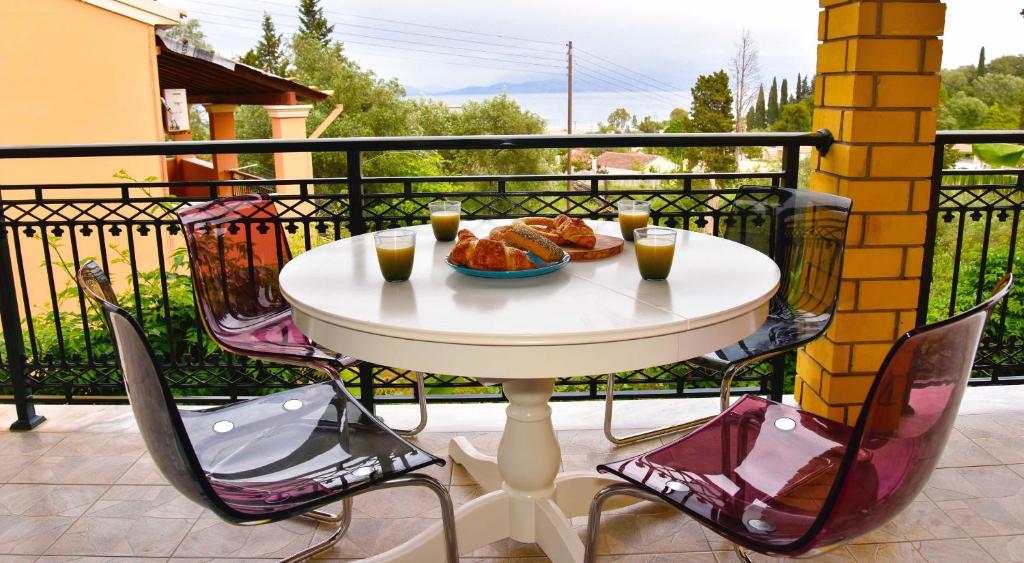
x=292, y=451
x=758, y=474
x=782, y=331
x=279, y=339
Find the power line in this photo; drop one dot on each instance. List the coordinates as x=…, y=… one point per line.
x=628, y=87
x=613, y=63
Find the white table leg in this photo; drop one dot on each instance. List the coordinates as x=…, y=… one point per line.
x=483, y=468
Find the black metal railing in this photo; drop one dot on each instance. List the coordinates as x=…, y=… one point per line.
x=974, y=237
x=56, y=350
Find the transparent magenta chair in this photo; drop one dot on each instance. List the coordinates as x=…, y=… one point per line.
x=806, y=232
x=237, y=247
x=267, y=459
x=784, y=482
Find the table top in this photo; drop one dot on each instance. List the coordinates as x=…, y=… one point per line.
x=340, y=300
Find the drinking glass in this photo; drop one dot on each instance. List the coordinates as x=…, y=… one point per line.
x=655, y=248
x=395, y=251
x=444, y=218
x=633, y=215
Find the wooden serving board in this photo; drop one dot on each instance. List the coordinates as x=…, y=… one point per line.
x=606, y=246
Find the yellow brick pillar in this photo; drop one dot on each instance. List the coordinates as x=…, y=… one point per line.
x=289, y=122
x=877, y=90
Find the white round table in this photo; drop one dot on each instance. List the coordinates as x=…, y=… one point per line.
x=589, y=318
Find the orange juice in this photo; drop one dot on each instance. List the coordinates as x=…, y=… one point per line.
x=445, y=224
x=654, y=257
x=630, y=220
x=396, y=261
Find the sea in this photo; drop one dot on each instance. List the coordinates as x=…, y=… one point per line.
x=589, y=108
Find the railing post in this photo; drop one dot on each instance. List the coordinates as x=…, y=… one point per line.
x=15, y=346
x=929, y=238
x=357, y=221
x=790, y=166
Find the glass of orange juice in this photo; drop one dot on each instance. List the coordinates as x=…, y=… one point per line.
x=396, y=249
x=655, y=248
x=633, y=215
x=444, y=218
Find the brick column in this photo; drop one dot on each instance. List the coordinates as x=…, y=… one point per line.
x=289, y=122
x=877, y=90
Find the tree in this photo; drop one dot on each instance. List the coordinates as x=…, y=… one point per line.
x=190, y=33
x=313, y=23
x=772, y=114
x=962, y=112
x=746, y=72
x=999, y=117
x=1009, y=64
x=1002, y=89
x=981, y=62
x=649, y=125
x=269, y=53
x=799, y=88
x=760, y=113
x=711, y=112
x=793, y=117
x=784, y=93
x=618, y=120
x=958, y=79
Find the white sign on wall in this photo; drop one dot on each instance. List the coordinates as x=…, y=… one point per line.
x=176, y=110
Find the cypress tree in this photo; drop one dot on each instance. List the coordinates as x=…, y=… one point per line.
x=313, y=23
x=981, y=63
x=760, y=116
x=799, y=88
x=750, y=118
x=772, y=112
x=269, y=52
x=784, y=93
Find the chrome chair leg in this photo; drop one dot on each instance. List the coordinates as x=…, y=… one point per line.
x=596, y=505
x=609, y=398
x=420, y=392
x=727, y=378
x=345, y=517
x=742, y=553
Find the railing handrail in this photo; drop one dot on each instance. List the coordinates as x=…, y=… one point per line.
x=819, y=139
x=979, y=136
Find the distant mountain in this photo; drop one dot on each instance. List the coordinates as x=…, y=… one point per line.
x=552, y=86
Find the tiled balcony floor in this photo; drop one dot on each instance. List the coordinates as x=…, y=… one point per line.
x=82, y=488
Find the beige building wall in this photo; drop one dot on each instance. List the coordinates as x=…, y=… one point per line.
x=76, y=73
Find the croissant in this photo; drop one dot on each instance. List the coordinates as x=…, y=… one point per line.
x=486, y=254
x=575, y=231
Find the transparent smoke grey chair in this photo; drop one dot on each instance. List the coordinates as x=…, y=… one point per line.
x=266, y=459
x=236, y=248
x=784, y=482
x=806, y=233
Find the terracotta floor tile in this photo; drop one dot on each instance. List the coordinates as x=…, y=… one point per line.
x=14, y=464
x=28, y=443
x=48, y=500
x=886, y=553
x=75, y=470
x=133, y=501
x=370, y=536
x=127, y=537
x=962, y=452
x=987, y=516
x=991, y=425
x=1007, y=449
x=211, y=537
x=956, y=483
x=100, y=445
x=143, y=472
x=31, y=535
x=1006, y=549
x=922, y=520
x=953, y=551
x=84, y=559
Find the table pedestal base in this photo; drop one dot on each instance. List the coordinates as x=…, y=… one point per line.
x=527, y=499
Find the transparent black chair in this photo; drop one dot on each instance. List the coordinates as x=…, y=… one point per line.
x=266, y=459
x=785, y=482
x=806, y=233
x=236, y=249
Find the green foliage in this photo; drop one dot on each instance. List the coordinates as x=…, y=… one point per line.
x=711, y=112
x=1003, y=89
x=648, y=125
x=981, y=62
x=958, y=80
x=999, y=117
x=190, y=32
x=772, y=112
x=1010, y=64
x=252, y=122
x=962, y=111
x=312, y=22
x=1000, y=155
x=793, y=117
x=760, y=111
x=269, y=54
x=783, y=95
x=618, y=121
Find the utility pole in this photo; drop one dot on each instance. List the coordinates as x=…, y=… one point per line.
x=568, y=125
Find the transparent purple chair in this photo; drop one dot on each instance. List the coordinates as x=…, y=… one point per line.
x=266, y=459
x=236, y=248
x=784, y=482
x=806, y=232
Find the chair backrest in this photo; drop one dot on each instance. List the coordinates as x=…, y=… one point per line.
x=805, y=232
x=906, y=421
x=236, y=248
x=152, y=403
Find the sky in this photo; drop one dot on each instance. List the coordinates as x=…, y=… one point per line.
x=640, y=45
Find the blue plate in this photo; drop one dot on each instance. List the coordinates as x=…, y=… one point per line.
x=550, y=267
